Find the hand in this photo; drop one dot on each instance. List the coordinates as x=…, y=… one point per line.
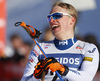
x=52, y=64
x=39, y=68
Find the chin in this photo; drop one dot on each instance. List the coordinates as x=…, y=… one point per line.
x=56, y=34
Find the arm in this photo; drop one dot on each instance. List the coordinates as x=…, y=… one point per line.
x=30, y=67
x=88, y=68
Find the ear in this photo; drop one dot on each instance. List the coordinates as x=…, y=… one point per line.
x=72, y=21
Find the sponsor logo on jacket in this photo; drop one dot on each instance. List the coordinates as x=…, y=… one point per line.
x=75, y=61
x=92, y=51
x=79, y=47
x=30, y=60
x=47, y=46
x=35, y=53
x=68, y=59
x=63, y=42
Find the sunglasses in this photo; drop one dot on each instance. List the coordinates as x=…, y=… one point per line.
x=57, y=15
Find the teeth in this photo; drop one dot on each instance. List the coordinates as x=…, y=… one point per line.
x=54, y=26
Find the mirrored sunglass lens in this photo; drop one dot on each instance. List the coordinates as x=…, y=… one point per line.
x=57, y=15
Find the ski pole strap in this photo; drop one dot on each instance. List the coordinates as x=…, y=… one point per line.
x=34, y=33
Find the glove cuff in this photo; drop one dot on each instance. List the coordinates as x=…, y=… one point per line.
x=66, y=71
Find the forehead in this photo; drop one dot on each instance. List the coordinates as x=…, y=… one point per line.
x=58, y=9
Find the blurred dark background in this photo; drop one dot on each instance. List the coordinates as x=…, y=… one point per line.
x=18, y=43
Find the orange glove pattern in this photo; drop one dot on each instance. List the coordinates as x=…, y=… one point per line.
x=39, y=68
x=53, y=65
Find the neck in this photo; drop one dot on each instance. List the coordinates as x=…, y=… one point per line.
x=65, y=35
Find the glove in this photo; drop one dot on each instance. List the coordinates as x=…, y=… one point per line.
x=52, y=64
x=39, y=68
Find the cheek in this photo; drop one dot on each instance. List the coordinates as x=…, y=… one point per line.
x=50, y=25
x=64, y=24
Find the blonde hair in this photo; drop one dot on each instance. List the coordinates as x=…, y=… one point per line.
x=71, y=10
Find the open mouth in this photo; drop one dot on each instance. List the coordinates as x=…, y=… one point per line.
x=54, y=27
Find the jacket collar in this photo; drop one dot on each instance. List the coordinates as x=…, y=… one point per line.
x=64, y=44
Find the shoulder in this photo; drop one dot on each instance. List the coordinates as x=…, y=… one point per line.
x=46, y=42
x=42, y=44
x=89, y=48
x=86, y=44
